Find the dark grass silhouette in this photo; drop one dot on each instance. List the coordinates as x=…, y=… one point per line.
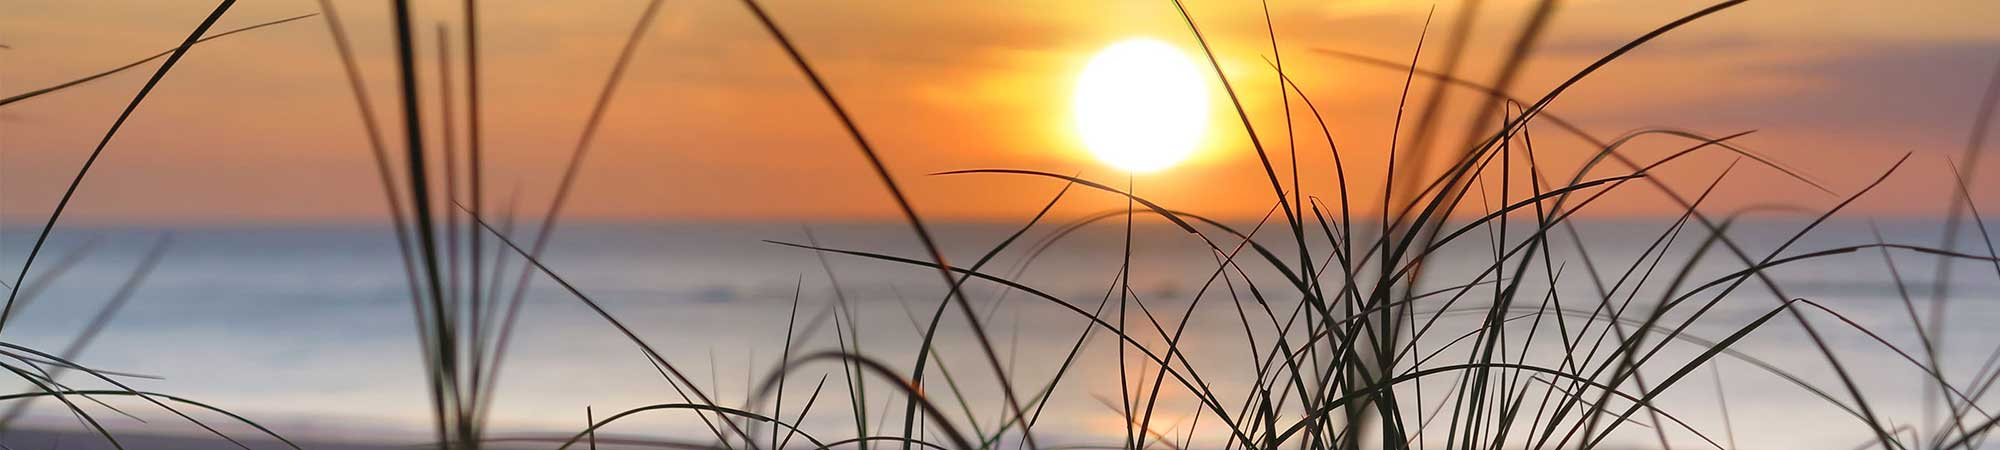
x=1339, y=365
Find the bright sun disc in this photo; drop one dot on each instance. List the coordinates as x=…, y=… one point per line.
x=1141, y=105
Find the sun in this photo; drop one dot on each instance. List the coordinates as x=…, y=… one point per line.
x=1141, y=105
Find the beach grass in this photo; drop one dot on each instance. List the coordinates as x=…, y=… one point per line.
x=1354, y=341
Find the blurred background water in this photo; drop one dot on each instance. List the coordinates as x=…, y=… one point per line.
x=308, y=328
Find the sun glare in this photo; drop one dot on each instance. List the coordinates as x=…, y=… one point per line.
x=1141, y=105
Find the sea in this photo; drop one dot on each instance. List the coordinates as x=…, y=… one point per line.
x=309, y=329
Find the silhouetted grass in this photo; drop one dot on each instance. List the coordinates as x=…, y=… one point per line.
x=1333, y=344
x=169, y=53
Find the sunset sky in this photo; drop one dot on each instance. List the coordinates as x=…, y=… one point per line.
x=713, y=123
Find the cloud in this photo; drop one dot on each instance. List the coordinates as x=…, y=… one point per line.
x=1925, y=91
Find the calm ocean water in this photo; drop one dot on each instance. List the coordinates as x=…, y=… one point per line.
x=308, y=328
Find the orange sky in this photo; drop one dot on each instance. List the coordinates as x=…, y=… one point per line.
x=713, y=123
